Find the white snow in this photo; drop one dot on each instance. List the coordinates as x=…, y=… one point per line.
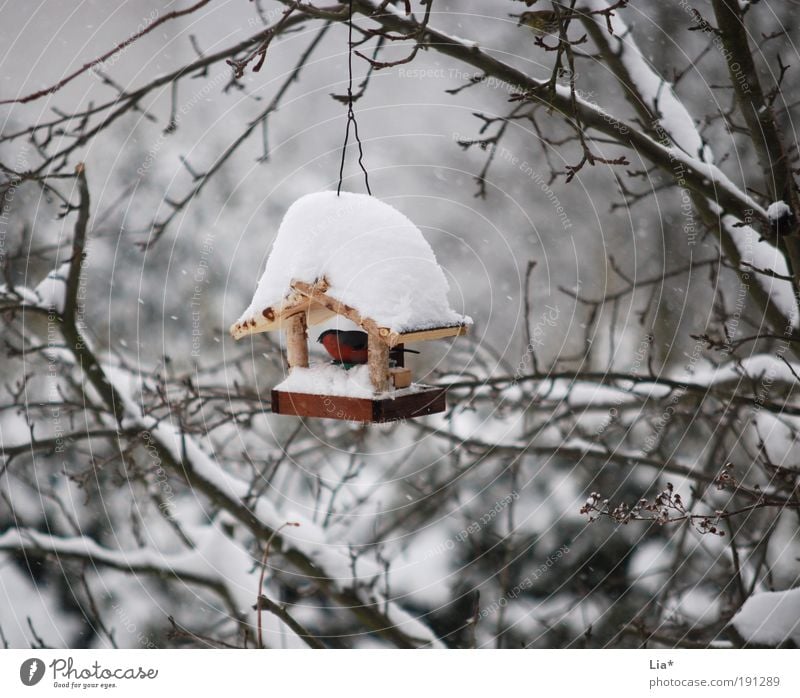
x=762, y=255
x=88, y=548
x=422, y=570
x=216, y=559
x=328, y=379
x=695, y=606
x=373, y=257
x=778, y=210
x=657, y=93
x=41, y=607
x=650, y=564
x=770, y=618
x=52, y=290
x=49, y=293
x=747, y=370
x=332, y=379
x=25, y=295
x=679, y=126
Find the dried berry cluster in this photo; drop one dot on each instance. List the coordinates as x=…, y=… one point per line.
x=667, y=507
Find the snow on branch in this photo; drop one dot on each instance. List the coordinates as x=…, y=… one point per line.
x=676, y=131
x=216, y=562
x=666, y=110
x=186, y=566
x=699, y=175
x=771, y=269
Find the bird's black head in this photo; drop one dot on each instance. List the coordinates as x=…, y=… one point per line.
x=325, y=334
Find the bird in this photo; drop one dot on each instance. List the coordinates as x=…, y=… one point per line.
x=351, y=346
x=541, y=22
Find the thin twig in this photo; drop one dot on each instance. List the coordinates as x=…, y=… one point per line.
x=119, y=47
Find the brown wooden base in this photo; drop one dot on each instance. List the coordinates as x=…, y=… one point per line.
x=424, y=399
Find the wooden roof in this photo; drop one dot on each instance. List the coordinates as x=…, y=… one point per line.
x=319, y=306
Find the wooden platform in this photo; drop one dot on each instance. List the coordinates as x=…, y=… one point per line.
x=424, y=399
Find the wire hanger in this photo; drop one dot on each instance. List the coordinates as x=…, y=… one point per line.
x=351, y=116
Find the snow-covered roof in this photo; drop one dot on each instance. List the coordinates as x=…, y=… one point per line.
x=365, y=254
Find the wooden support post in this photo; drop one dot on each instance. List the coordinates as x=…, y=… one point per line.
x=297, y=341
x=378, y=359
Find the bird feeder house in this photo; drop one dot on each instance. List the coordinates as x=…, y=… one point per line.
x=358, y=258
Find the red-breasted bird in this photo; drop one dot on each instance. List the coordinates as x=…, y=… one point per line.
x=350, y=346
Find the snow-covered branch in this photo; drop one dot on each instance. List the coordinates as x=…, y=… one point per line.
x=669, y=122
x=216, y=562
